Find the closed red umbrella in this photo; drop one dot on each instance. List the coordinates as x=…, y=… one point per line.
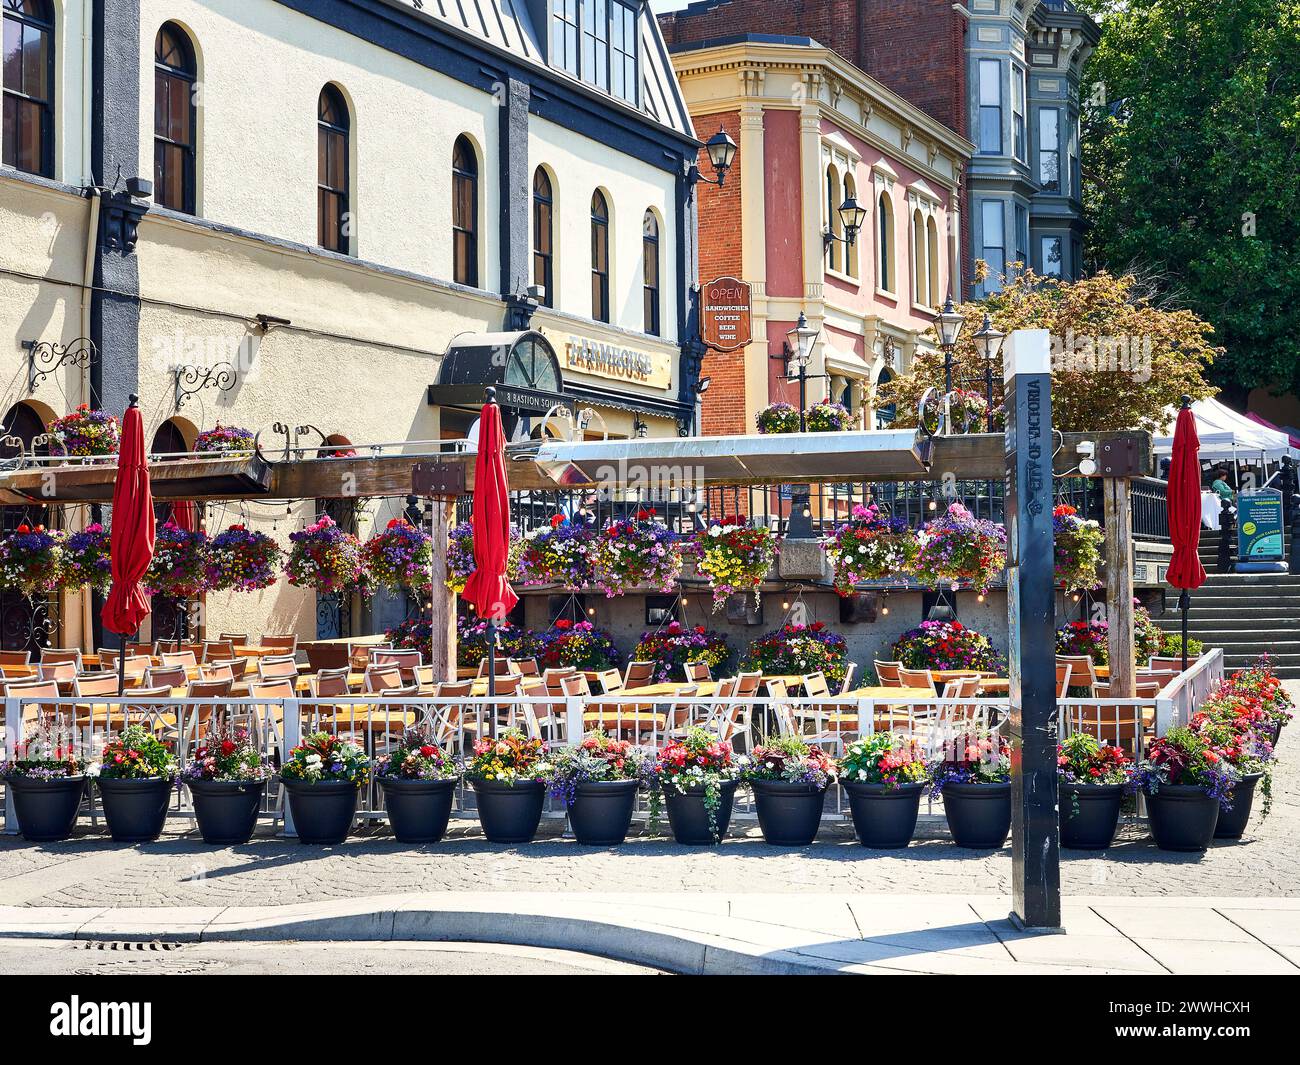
x=487, y=588
x=185, y=515
x=132, y=535
x=1183, y=497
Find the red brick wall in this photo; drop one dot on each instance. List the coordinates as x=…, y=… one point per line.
x=915, y=47
x=724, y=409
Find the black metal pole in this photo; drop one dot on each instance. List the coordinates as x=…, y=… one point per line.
x=988, y=391
x=492, y=657
x=121, y=665
x=1184, y=605
x=803, y=397
x=947, y=369
x=1225, y=536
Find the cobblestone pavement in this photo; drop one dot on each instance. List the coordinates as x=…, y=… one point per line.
x=180, y=870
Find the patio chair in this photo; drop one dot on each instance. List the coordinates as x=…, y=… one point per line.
x=274, y=667
x=238, y=666
x=286, y=643
x=202, y=715
x=815, y=686
x=15, y=658
x=1164, y=676
x=27, y=689
x=1159, y=663
x=280, y=688
x=963, y=714
x=1083, y=673
x=697, y=672
x=217, y=650
x=610, y=680
x=747, y=684
x=217, y=671
x=846, y=685
x=406, y=660
x=682, y=712
x=186, y=659
x=916, y=678
x=638, y=675
x=327, y=656
x=732, y=721
x=236, y=639
x=1063, y=673
x=453, y=714
x=505, y=667
x=378, y=678
x=62, y=670
x=101, y=683
x=166, y=677
x=887, y=673
x=526, y=667
x=62, y=654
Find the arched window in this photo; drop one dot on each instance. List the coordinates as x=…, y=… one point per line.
x=932, y=259
x=464, y=212
x=333, y=179
x=544, y=235
x=175, y=73
x=885, y=412
x=885, y=209
x=851, y=253
x=834, y=198
x=650, y=269
x=920, y=272
x=28, y=86
x=599, y=257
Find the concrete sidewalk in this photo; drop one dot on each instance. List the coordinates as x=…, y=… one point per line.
x=774, y=934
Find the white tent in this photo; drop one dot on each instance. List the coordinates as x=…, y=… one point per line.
x=1227, y=435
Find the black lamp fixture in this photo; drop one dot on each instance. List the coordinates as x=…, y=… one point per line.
x=949, y=324
x=721, y=150
x=988, y=341
x=852, y=216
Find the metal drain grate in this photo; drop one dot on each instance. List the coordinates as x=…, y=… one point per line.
x=136, y=946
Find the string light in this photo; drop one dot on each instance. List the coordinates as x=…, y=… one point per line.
x=934, y=505
x=980, y=598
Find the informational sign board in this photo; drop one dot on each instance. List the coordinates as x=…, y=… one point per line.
x=726, y=321
x=1259, y=526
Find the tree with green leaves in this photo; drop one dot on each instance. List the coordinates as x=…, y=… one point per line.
x=1192, y=169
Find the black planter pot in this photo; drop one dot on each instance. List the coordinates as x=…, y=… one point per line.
x=1182, y=817
x=1089, y=814
x=135, y=809
x=47, y=809
x=789, y=814
x=1232, y=823
x=322, y=813
x=689, y=819
x=1275, y=732
x=883, y=817
x=979, y=815
x=601, y=812
x=510, y=813
x=418, y=809
x=226, y=810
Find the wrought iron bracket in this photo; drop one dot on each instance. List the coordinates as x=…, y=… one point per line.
x=191, y=380
x=44, y=357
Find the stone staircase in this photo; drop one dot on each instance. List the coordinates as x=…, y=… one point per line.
x=1246, y=615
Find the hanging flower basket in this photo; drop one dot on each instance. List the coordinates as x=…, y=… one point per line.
x=324, y=557
x=735, y=557
x=559, y=555
x=672, y=647
x=224, y=440
x=1078, y=549
x=960, y=548
x=399, y=557
x=85, y=433
x=460, y=556
x=946, y=645
x=179, y=569
x=86, y=559
x=242, y=560
x=828, y=418
x=800, y=649
x=870, y=547
x=637, y=552
x=577, y=645
x=31, y=560
x=968, y=412
x=777, y=418
x=472, y=641
x=1089, y=638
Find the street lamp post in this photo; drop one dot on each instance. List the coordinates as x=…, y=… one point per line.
x=988, y=340
x=722, y=153
x=799, y=346
x=852, y=215
x=950, y=322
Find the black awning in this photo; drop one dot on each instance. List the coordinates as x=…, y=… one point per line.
x=522, y=366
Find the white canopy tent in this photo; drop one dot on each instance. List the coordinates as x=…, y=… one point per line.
x=1229, y=436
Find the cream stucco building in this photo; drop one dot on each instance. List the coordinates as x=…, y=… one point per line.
x=342, y=193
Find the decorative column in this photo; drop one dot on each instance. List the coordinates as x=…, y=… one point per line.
x=515, y=182
x=1031, y=636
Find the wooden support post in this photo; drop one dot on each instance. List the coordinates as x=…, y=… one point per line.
x=442, y=655
x=1119, y=586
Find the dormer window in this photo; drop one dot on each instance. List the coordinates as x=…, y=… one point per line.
x=596, y=41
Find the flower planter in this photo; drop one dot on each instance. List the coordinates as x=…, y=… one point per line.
x=1232, y=823
x=1182, y=817
x=510, y=813
x=689, y=819
x=226, y=810
x=601, y=813
x=883, y=817
x=789, y=814
x=1089, y=814
x=47, y=809
x=135, y=809
x=979, y=815
x=1275, y=732
x=418, y=810
x=323, y=812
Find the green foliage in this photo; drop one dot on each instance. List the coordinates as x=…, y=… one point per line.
x=1192, y=168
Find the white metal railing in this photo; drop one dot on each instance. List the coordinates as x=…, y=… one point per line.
x=1178, y=700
